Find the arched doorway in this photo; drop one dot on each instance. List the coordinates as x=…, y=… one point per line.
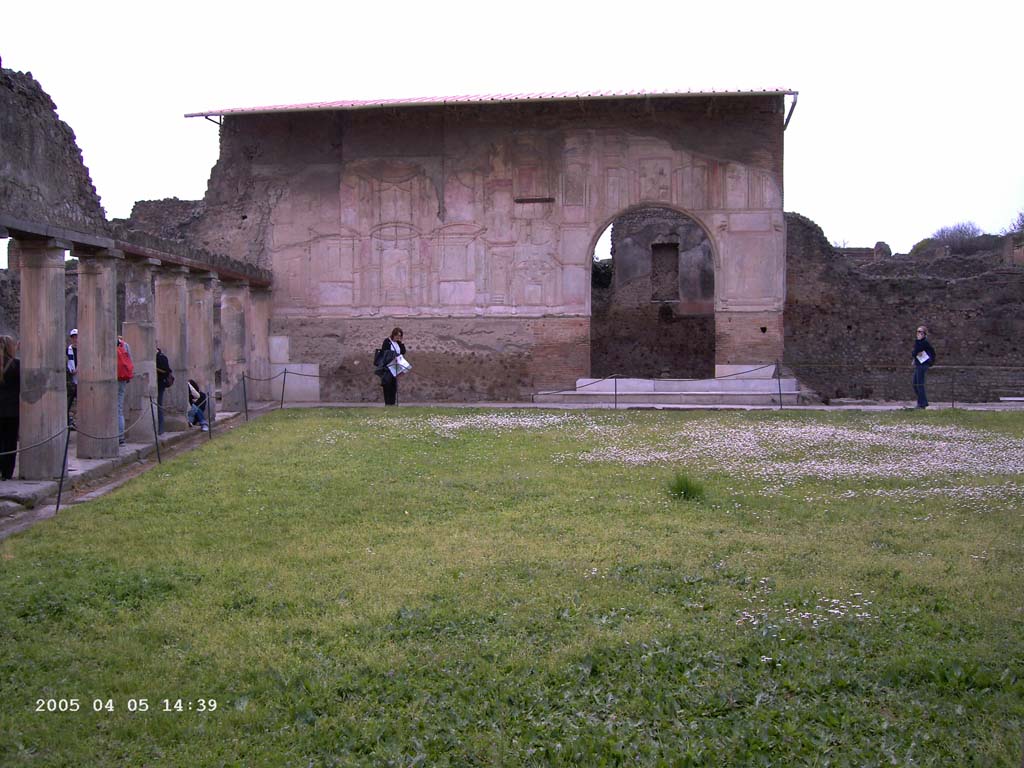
x=653, y=297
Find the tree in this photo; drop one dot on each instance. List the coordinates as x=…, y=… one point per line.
x=958, y=237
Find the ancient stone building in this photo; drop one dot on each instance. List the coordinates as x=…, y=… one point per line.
x=471, y=223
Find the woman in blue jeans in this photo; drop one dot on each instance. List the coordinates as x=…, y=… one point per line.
x=197, y=406
x=924, y=358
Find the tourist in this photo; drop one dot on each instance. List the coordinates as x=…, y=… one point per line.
x=392, y=349
x=197, y=406
x=164, y=379
x=125, y=372
x=72, y=373
x=924, y=358
x=10, y=401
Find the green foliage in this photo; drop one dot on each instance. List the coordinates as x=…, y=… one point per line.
x=924, y=246
x=685, y=488
x=602, y=272
x=959, y=237
x=367, y=587
x=1017, y=225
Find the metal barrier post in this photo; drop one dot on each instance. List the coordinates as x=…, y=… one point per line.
x=156, y=436
x=245, y=397
x=778, y=375
x=209, y=421
x=283, y=382
x=616, y=385
x=63, y=467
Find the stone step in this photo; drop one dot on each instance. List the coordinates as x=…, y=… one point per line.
x=720, y=391
x=651, y=386
x=597, y=399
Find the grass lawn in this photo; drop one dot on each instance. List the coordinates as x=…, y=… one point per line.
x=467, y=587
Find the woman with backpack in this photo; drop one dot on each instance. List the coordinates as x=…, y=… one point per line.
x=391, y=349
x=164, y=379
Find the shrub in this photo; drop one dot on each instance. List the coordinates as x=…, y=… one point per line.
x=685, y=488
x=1017, y=225
x=958, y=237
x=601, y=273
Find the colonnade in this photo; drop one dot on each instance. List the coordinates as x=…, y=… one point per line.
x=167, y=305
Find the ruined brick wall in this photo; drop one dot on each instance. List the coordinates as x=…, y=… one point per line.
x=10, y=302
x=454, y=359
x=44, y=178
x=169, y=219
x=849, y=327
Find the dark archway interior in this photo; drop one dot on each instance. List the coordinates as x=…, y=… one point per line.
x=653, y=302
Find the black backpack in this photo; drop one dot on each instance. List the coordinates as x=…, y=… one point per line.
x=381, y=358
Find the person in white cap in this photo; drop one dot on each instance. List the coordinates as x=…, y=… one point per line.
x=72, y=373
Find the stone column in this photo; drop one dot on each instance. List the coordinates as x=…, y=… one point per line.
x=140, y=333
x=172, y=338
x=200, y=336
x=234, y=304
x=97, y=354
x=44, y=405
x=259, y=345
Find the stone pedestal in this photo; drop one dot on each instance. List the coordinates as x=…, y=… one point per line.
x=748, y=343
x=139, y=331
x=234, y=305
x=200, y=334
x=172, y=338
x=43, y=361
x=97, y=354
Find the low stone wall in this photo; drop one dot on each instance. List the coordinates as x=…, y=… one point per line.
x=454, y=359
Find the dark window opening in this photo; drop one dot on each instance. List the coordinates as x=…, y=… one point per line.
x=665, y=272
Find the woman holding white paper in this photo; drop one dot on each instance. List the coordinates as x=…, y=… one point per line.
x=924, y=358
x=395, y=365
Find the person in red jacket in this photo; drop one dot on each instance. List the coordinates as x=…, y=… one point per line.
x=125, y=373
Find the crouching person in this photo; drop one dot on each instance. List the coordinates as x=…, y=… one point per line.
x=197, y=406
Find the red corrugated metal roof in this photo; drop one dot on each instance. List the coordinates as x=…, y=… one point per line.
x=494, y=98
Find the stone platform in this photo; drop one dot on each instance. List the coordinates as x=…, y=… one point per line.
x=738, y=391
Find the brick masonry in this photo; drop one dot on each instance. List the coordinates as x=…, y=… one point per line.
x=454, y=359
x=44, y=177
x=849, y=327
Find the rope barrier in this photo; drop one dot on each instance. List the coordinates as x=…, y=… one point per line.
x=253, y=378
x=111, y=437
x=30, y=447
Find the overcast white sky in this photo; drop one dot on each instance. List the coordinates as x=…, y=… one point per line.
x=910, y=115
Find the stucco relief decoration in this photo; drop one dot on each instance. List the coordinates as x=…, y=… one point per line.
x=461, y=268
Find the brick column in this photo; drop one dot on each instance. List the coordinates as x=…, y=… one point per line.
x=234, y=305
x=140, y=333
x=200, y=337
x=172, y=338
x=259, y=345
x=97, y=353
x=44, y=405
